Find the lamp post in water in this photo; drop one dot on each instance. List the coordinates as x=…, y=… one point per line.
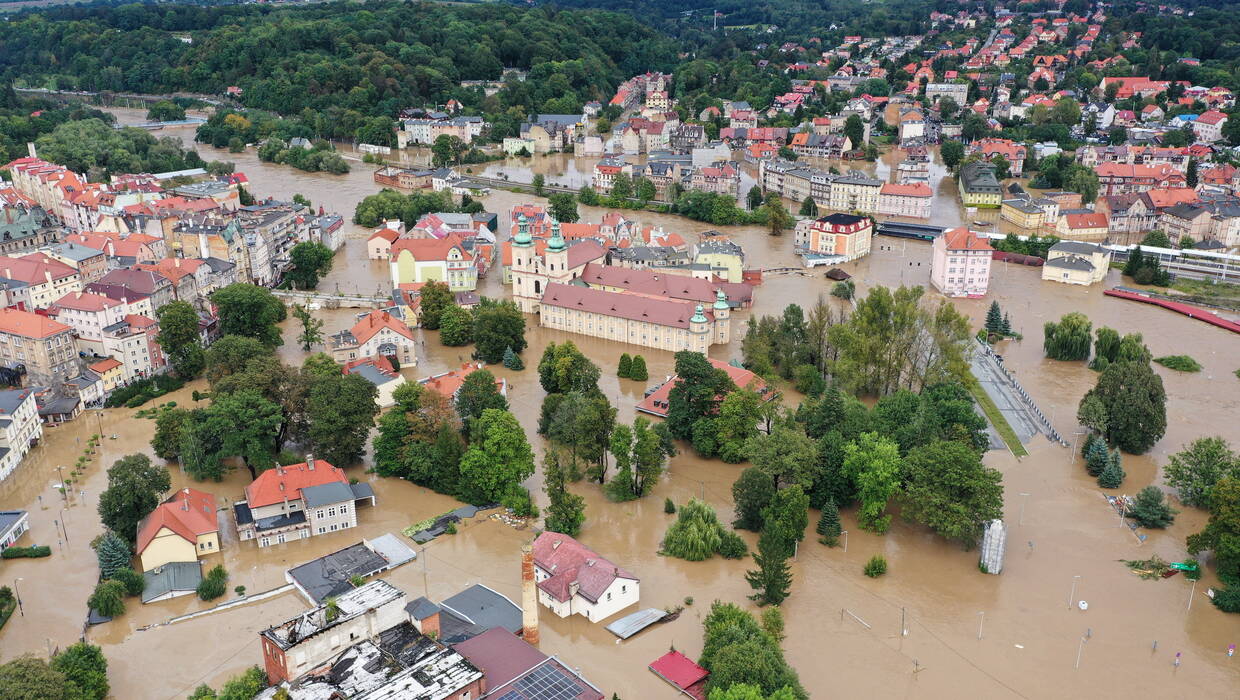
x=1072, y=595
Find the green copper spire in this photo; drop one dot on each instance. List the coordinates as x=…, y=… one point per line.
x=556, y=244
x=721, y=300
x=522, y=238
x=698, y=316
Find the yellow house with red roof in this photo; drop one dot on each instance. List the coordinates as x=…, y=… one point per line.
x=182, y=529
x=111, y=372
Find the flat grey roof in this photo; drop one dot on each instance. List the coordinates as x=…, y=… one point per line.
x=173, y=576
x=326, y=494
x=485, y=607
x=9, y=519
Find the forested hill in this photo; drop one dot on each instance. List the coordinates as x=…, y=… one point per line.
x=376, y=58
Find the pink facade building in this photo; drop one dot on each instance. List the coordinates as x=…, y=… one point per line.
x=960, y=263
x=911, y=200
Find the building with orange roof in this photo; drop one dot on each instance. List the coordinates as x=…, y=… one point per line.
x=905, y=199
x=434, y=260
x=379, y=244
x=299, y=501
x=44, y=346
x=447, y=384
x=181, y=529
x=656, y=403
x=139, y=246
x=187, y=275
x=46, y=278
x=1208, y=127
x=1122, y=178
x=376, y=333
x=111, y=373
x=960, y=263
x=1012, y=152
x=134, y=340
x=1091, y=227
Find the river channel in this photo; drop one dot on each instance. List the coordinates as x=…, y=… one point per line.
x=968, y=634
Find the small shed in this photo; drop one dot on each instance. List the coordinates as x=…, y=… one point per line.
x=678, y=670
x=837, y=274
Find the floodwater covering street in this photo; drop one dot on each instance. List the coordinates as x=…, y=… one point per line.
x=1031, y=631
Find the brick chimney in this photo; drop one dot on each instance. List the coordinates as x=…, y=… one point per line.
x=529, y=597
x=310, y=462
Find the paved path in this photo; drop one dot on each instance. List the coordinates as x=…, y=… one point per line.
x=1018, y=409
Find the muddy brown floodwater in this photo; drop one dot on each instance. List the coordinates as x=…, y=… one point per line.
x=1030, y=638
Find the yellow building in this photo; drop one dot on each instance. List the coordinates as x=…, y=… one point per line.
x=978, y=185
x=1022, y=213
x=638, y=319
x=721, y=254
x=1092, y=227
x=111, y=372
x=1076, y=262
x=182, y=529
x=434, y=260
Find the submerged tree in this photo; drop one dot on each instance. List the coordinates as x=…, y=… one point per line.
x=696, y=535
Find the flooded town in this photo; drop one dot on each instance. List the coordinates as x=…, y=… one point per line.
x=1049, y=594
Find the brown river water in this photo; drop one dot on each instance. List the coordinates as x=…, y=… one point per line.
x=1029, y=635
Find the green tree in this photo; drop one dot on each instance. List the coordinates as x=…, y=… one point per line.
x=952, y=153
x=786, y=517
x=247, y=423
x=340, y=413
x=625, y=366
x=563, y=368
x=829, y=524
x=696, y=393
x=696, y=535
x=1151, y=509
x=200, y=448
x=772, y=579
x=132, y=581
x=31, y=678
x=85, y=669
x=113, y=554
x=165, y=111
x=435, y=298
x=250, y=311
x=1112, y=476
x=456, y=326
x=872, y=463
x=1096, y=457
x=854, y=131
x=538, y=183
x=808, y=207
x=310, y=261
x=736, y=650
x=446, y=150
x=108, y=599
x=1068, y=339
x=753, y=198
x=497, y=327
x=745, y=691
x=644, y=189
x=752, y=493
x=566, y=511
x=586, y=195
x=311, y=328
x=478, y=393
x=621, y=190
x=994, y=318
x=512, y=360
x=563, y=207
x=1222, y=531
x=498, y=459
x=1156, y=239
x=180, y=339
x=1194, y=471
x=1191, y=173
x=166, y=442
x=948, y=489
x=135, y=488
x=637, y=372
x=231, y=355
x=786, y=455
x=776, y=215
x=737, y=424
x=1136, y=405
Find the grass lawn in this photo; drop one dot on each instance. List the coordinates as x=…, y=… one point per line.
x=995, y=416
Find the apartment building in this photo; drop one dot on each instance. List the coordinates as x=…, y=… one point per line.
x=46, y=279
x=298, y=501
x=20, y=428
x=960, y=263
x=45, y=347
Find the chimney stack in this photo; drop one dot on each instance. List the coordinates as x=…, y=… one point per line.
x=529, y=597
x=310, y=462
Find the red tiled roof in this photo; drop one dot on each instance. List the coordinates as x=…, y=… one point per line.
x=275, y=485
x=34, y=269
x=172, y=268
x=656, y=402
x=379, y=362
x=448, y=383
x=376, y=321
x=964, y=239
x=431, y=248
x=649, y=283
x=86, y=301
x=917, y=189
x=1211, y=117
x=28, y=325
x=635, y=307
x=1095, y=220
x=569, y=561
x=105, y=365
x=188, y=512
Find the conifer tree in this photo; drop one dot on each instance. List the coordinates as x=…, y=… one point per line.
x=1096, y=457
x=626, y=366
x=994, y=318
x=1112, y=477
x=512, y=360
x=829, y=524
x=1006, y=328
x=772, y=580
x=113, y=553
x=637, y=372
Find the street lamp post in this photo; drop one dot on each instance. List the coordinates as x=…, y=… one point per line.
x=981, y=621
x=1072, y=595
x=1022, y=508
x=63, y=489
x=1080, y=647
x=63, y=525
x=18, y=594
x=845, y=534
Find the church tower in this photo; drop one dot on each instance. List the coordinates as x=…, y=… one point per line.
x=723, y=315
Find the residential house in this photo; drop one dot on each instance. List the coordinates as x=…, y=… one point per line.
x=299, y=501
x=377, y=333
x=13, y=524
x=20, y=429
x=656, y=403
x=111, y=373
x=447, y=384
x=855, y=192
x=574, y=580
x=960, y=263
x=910, y=199
x=1121, y=178
x=90, y=263
x=181, y=529
x=144, y=290
x=1082, y=226
x=1193, y=221
x=722, y=256
x=958, y=91
x=1208, y=127
x=843, y=235
x=720, y=178
x=1009, y=150
x=379, y=245
x=89, y=314
x=46, y=279
x=434, y=260
x=512, y=668
x=377, y=370
x=44, y=347
x=1076, y=262
x=978, y=185
x=135, y=342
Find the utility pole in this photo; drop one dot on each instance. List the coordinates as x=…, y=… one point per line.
x=1022, y=508
x=1072, y=595
x=981, y=622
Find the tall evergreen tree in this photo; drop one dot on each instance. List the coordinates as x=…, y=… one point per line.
x=829, y=524
x=637, y=372
x=1096, y=457
x=625, y=367
x=1112, y=476
x=772, y=580
x=113, y=553
x=512, y=360
x=994, y=318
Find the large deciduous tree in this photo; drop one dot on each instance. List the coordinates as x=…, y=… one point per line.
x=180, y=339
x=135, y=487
x=498, y=325
x=948, y=489
x=873, y=465
x=310, y=261
x=1195, y=470
x=251, y=311
x=1135, y=405
x=499, y=458
x=435, y=297
x=340, y=413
